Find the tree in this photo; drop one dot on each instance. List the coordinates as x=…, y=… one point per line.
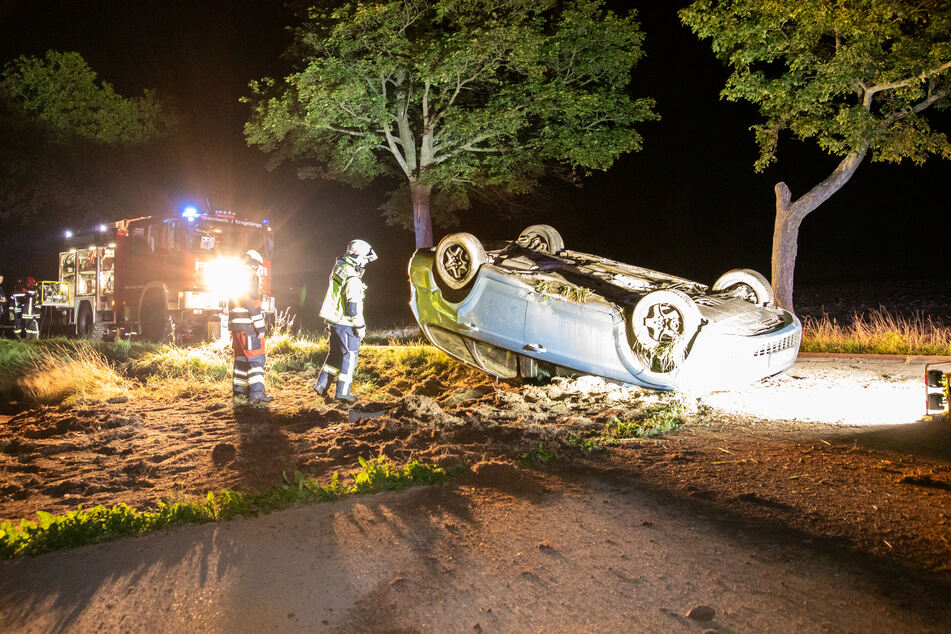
x=454, y=95
x=56, y=121
x=856, y=77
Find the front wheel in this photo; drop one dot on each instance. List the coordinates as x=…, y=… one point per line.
x=746, y=284
x=154, y=320
x=664, y=324
x=458, y=259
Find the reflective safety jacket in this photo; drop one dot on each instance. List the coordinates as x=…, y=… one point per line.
x=344, y=301
x=244, y=311
x=30, y=304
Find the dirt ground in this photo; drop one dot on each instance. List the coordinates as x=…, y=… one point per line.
x=793, y=450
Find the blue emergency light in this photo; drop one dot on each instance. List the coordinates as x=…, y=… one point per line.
x=189, y=213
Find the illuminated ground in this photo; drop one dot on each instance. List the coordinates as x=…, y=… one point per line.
x=785, y=460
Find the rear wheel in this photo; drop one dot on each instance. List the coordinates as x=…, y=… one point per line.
x=746, y=284
x=664, y=324
x=458, y=259
x=84, y=320
x=544, y=238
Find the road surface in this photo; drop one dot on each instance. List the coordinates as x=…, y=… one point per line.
x=545, y=552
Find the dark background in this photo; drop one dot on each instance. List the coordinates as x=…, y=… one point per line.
x=689, y=203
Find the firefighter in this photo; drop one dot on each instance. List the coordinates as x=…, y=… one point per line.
x=246, y=322
x=17, y=300
x=30, y=315
x=3, y=308
x=343, y=310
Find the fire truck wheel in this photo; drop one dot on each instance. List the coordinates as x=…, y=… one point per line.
x=153, y=318
x=84, y=322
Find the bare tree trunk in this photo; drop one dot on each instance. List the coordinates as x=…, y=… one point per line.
x=422, y=220
x=785, y=247
x=789, y=216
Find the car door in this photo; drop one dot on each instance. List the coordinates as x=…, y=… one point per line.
x=571, y=334
x=494, y=311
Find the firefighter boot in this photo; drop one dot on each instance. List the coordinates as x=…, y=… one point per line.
x=343, y=393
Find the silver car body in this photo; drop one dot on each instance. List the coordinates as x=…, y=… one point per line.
x=516, y=317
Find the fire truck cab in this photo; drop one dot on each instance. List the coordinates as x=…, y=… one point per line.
x=157, y=276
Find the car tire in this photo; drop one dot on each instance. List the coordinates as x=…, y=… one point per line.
x=663, y=324
x=544, y=238
x=748, y=285
x=458, y=259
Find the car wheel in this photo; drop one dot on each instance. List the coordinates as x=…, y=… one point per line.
x=664, y=324
x=544, y=238
x=458, y=258
x=748, y=285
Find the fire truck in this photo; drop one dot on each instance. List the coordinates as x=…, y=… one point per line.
x=157, y=277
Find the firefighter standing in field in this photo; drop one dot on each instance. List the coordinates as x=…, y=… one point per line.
x=3, y=308
x=31, y=310
x=246, y=322
x=17, y=299
x=343, y=310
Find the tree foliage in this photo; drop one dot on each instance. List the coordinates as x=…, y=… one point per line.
x=858, y=77
x=850, y=75
x=57, y=122
x=454, y=95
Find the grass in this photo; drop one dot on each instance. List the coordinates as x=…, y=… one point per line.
x=878, y=332
x=653, y=422
x=98, y=524
x=58, y=370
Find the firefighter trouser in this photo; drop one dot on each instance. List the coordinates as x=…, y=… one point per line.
x=248, y=373
x=31, y=324
x=341, y=359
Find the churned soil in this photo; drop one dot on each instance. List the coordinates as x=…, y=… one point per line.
x=881, y=490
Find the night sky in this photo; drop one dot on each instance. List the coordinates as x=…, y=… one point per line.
x=689, y=203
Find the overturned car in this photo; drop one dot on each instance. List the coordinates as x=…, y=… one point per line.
x=532, y=308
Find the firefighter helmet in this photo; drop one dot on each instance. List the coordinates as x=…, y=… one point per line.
x=253, y=256
x=361, y=250
x=30, y=282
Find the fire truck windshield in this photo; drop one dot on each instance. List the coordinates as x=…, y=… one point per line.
x=226, y=239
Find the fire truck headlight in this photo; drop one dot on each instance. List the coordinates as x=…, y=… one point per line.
x=226, y=277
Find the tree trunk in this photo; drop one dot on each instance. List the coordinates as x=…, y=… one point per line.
x=785, y=247
x=789, y=216
x=422, y=220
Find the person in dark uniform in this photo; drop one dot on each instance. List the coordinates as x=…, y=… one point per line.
x=30, y=315
x=3, y=309
x=246, y=322
x=17, y=299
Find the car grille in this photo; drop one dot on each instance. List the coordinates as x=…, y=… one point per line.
x=785, y=343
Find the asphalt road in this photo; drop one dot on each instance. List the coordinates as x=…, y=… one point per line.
x=569, y=553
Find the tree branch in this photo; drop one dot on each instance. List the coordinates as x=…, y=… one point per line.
x=907, y=82
x=391, y=141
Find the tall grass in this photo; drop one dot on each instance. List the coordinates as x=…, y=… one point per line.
x=878, y=332
x=54, y=371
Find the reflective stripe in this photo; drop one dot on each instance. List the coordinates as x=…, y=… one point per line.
x=256, y=379
x=238, y=381
x=329, y=369
x=238, y=372
x=241, y=320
